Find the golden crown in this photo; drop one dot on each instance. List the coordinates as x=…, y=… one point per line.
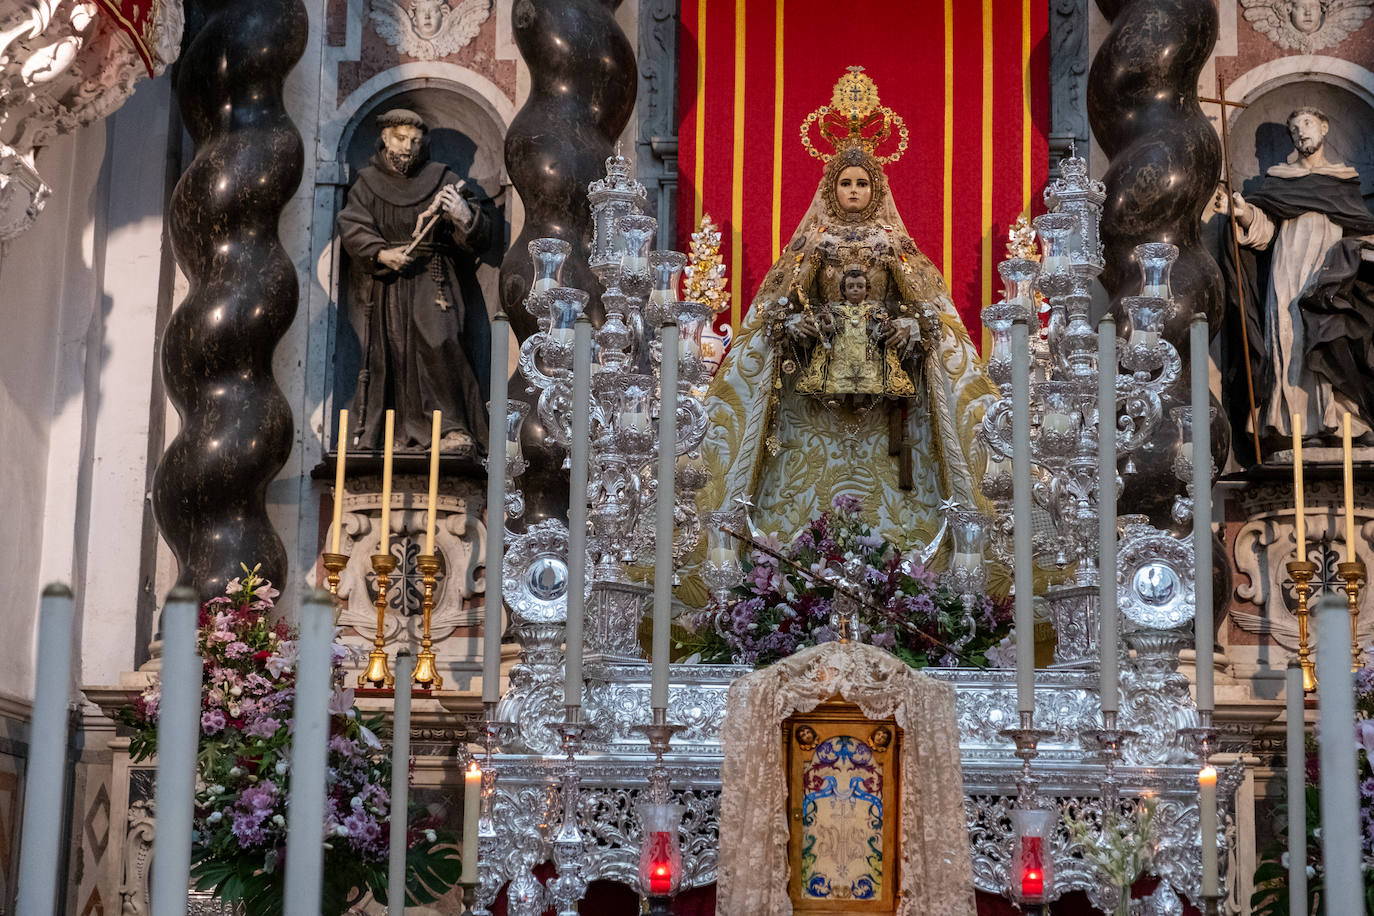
x=854, y=117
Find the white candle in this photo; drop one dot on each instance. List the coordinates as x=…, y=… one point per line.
x=663, y=522
x=178, y=738
x=562, y=337
x=577, y=511
x=1106, y=507
x=309, y=757
x=400, y=780
x=496, y=517
x=472, y=810
x=1299, y=510
x=635, y=420
x=337, y=525
x=1155, y=291
x=1055, y=264
x=1340, y=798
x=1185, y=451
x=1021, y=508
x=385, y=543
x=966, y=560
x=46, y=778
x=1349, y=491
x=660, y=297
x=634, y=264
x=1144, y=340
x=721, y=556
x=544, y=284
x=1207, y=816
x=433, y=484
x=1202, y=509
x=1059, y=424
x=1297, y=792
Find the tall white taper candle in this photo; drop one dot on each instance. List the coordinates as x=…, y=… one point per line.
x=663, y=523
x=400, y=784
x=1021, y=508
x=472, y=815
x=1297, y=792
x=433, y=497
x=389, y=446
x=46, y=780
x=1344, y=892
x=577, y=509
x=309, y=756
x=1202, y=508
x=1106, y=506
x=496, y=513
x=1207, y=820
x=336, y=525
x=178, y=735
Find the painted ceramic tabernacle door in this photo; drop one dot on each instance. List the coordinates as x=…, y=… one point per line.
x=843, y=771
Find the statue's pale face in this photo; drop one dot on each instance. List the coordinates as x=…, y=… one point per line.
x=1307, y=15
x=853, y=189
x=429, y=17
x=855, y=288
x=402, y=145
x=1308, y=131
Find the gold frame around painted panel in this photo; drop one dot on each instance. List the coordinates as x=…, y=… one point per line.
x=831, y=718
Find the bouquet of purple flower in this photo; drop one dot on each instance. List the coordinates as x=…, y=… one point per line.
x=786, y=605
x=244, y=774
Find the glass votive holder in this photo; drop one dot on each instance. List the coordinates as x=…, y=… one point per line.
x=660, y=850
x=1146, y=315
x=548, y=257
x=635, y=277
x=1056, y=265
x=1031, y=874
x=1156, y=260
x=565, y=306
x=1018, y=278
x=516, y=413
x=666, y=268
x=633, y=422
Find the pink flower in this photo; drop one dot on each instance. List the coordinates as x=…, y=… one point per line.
x=340, y=702
x=212, y=721
x=265, y=592
x=1364, y=735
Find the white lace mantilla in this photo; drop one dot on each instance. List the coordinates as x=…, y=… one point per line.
x=936, y=873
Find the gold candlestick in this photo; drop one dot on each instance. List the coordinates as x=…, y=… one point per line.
x=334, y=564
x=1352, y=572
x=426, y=675
x=1302, y=572
x=378, y=674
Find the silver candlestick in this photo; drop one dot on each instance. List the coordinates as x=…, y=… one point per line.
x=1109, y=740
x=660, y=734
x=569, y=844
x=1027, y=737
x=483, y=894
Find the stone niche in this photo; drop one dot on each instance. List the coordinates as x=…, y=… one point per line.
x=1259, y=136
x=467, y=138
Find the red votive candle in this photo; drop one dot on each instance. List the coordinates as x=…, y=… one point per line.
x=1032, y=868
x=660, y=865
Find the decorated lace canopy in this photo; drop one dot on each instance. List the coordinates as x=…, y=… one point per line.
x=935, y=871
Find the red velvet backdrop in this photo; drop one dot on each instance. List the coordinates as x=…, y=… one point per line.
x=969, y=76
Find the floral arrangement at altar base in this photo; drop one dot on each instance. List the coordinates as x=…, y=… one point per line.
x=787, y=606
x=1121, y=849
x=243, y=770
x=1271, y=876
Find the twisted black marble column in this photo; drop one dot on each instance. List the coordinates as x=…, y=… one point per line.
x=582, y=91
x=210, y=488
x=1165, y=163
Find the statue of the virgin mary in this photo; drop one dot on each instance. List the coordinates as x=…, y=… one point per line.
x=800, y=413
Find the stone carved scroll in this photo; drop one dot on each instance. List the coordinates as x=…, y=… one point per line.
x=210, y=488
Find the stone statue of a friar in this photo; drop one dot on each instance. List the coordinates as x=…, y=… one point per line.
x=1315, y=355
x=413, y=229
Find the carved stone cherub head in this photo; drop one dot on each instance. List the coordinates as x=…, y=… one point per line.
x=1307, y=16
